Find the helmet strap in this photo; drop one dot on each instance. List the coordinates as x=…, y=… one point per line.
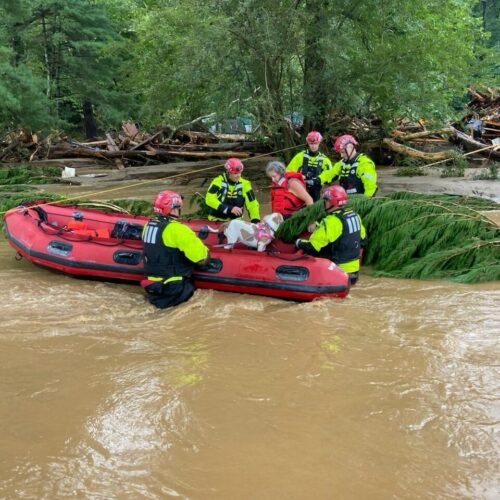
x=352, y=154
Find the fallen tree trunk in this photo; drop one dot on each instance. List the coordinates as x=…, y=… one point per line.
x=198, y=154
x=413, y=153
x=223, y=146
x=475, y=146
x=417, y=135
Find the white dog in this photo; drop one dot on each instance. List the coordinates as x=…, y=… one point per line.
x=257, y=235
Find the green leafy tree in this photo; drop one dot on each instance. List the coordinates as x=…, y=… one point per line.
x=23, y=101
x=392, y=58
x=70, y=45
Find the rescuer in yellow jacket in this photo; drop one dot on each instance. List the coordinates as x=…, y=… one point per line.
x=311, y=164
x=355, y=171
x=171, y=250
x=229, y=193
x=339, y=236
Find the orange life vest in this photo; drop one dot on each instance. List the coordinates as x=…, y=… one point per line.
x=79, y=227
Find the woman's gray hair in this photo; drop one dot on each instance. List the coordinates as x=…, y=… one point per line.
x=277, y=166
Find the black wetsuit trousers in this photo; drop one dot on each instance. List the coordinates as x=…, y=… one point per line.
x=171, y=294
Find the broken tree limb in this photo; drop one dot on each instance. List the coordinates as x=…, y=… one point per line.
x=13, y=145
x=186, y=126
x=475, y=146
x=113, y=147
x=413, y=153
x=149, y=139
x=111, y=143
x=491, y=147
x=425, y=133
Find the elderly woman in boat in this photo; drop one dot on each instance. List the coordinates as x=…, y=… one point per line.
x=288, y=190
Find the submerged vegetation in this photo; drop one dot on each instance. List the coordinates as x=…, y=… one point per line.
x=422, y=236
x=456, y=166
x=488, y=174
x=29, y=174
x=410, y=167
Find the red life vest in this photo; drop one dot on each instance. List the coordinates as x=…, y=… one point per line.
x=283, y=201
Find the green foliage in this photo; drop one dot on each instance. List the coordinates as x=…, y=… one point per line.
x=410, y=167
x=57, y=55
x=135, y=207
x=21, y=93
x=11, y=198
x=489, y=12
x=423, y=236
x=202, y=210
x=455, y=167
x=28, y=174
x=300, y=220
x=489, y=174
x=169, y=61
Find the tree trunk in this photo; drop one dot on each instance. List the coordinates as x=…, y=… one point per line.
x=89, y=122
x=314, y=89
x=48, y=66
x=413, y=153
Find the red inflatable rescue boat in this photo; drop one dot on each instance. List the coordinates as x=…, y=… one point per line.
x=88, y=242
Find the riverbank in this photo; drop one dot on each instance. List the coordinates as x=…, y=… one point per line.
x=144, y=182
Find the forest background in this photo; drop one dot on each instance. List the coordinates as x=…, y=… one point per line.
x=86, y=65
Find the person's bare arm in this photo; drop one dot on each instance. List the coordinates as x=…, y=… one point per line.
x=299, y=190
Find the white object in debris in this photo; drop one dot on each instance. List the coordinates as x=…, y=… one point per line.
x=68, y=172
x=496, y=141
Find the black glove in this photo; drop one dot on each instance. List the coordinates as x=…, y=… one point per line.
x=313, y=182
x=255, y=221
x=298, y=242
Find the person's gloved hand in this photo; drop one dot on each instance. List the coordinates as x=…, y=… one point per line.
x=255, y=221
x=298, y=243
x=313, y=182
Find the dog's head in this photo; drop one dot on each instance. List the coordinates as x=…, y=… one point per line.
x=273, y=221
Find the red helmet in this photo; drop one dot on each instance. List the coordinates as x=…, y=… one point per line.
x=342, y=141
x=314, y=137
x=233, y=166
x=334, y=196
x=165, y=201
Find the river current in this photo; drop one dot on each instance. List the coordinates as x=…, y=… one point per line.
x=390, y=393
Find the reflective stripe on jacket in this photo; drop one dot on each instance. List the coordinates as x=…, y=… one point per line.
x=222, y=195
x=338, y=238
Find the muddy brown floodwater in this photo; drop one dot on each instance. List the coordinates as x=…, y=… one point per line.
x=391, y=393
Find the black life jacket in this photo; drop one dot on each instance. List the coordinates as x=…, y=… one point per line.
x=348, y=178
x=348, y=245
x=160, y=260
x=232, y=198
x=308, y=170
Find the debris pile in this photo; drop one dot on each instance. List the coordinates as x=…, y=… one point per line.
x=127, y=147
